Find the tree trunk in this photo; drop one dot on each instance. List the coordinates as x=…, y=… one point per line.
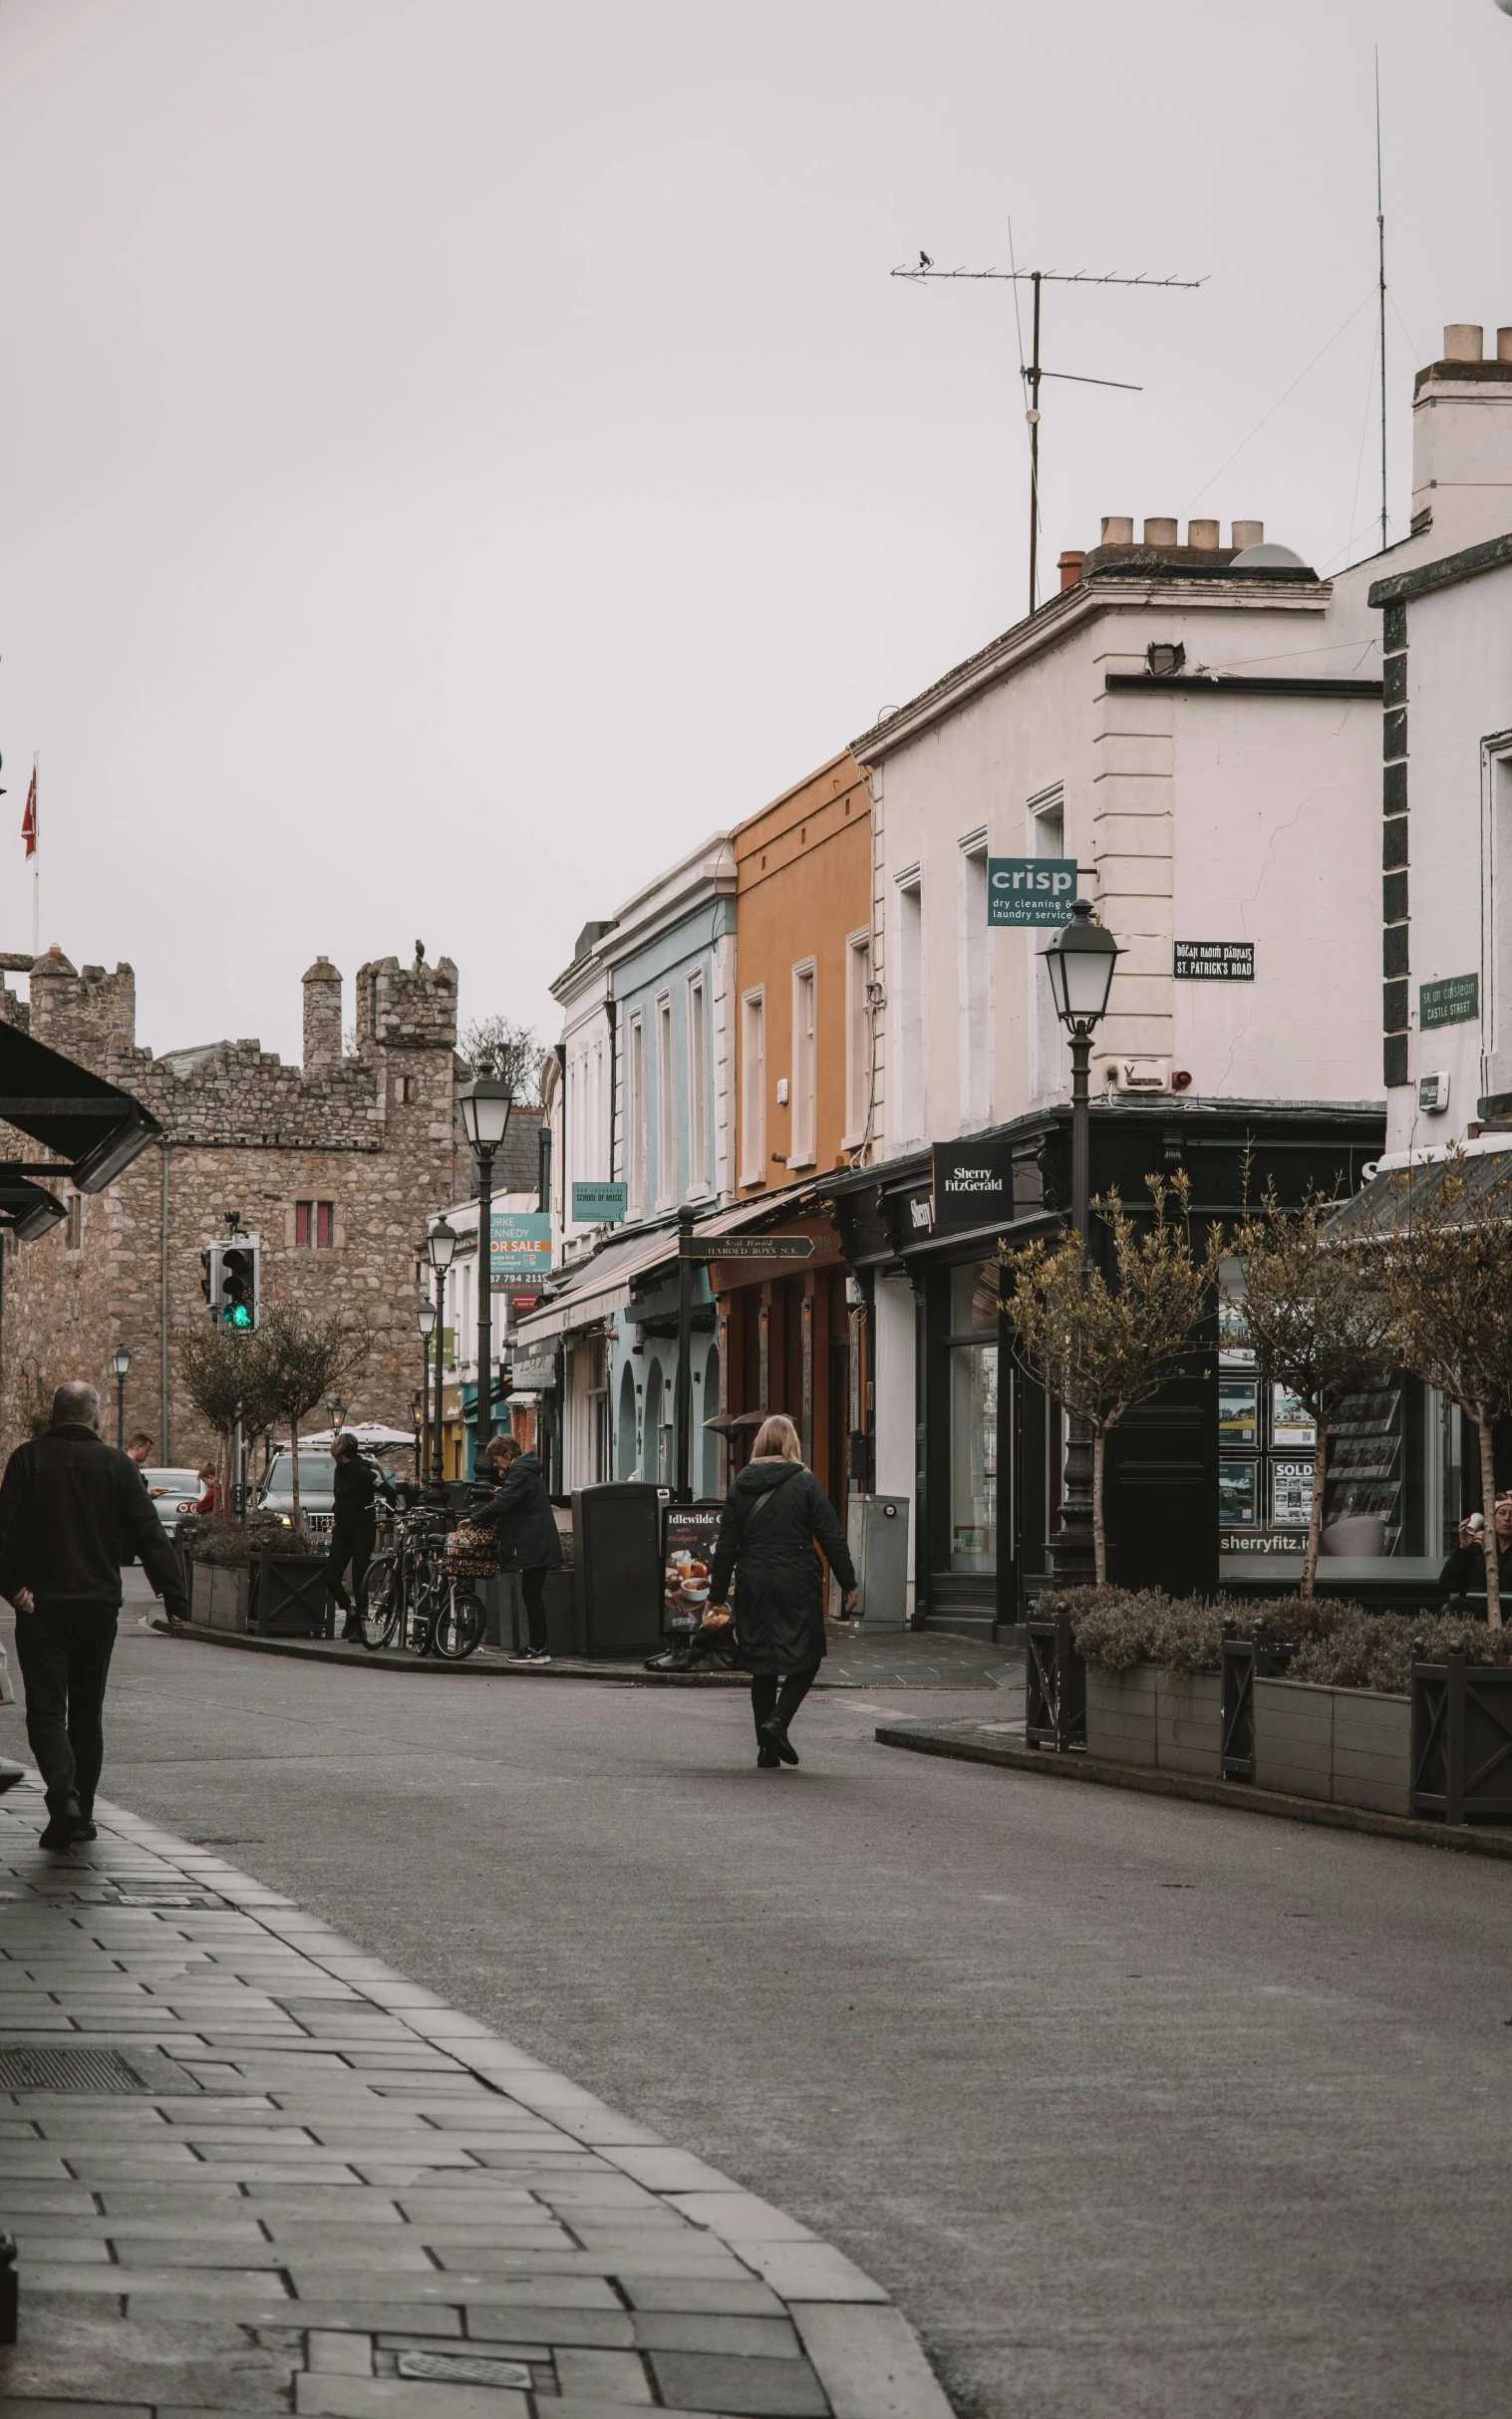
x=1315, y=1517
x=1488, y=1509
x=1099, y=1533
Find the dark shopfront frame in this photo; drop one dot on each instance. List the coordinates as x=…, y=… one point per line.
x=1161, y=1481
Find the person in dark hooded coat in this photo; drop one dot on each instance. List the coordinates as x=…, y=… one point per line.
x=776, y=1514
x=522, y=1514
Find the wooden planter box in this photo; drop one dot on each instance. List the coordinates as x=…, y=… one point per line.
x=292, y=1598
x=1348, y=1746
x=219, y=1598
x=1148, y=1715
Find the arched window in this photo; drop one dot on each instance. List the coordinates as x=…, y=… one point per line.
x=626, y=1453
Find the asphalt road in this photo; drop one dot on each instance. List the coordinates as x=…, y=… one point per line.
x=1138, y=2107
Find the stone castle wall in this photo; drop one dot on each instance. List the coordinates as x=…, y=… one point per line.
x=374, y=1134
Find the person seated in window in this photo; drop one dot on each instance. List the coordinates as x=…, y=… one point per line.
x=1464, y=1574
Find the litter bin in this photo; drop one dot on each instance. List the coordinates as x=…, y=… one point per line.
x=617, y=1578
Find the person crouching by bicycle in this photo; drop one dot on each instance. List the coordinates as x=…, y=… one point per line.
x=522, y=1513
x=354, y=1529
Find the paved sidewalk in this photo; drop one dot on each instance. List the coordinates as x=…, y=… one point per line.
x=279, y=2178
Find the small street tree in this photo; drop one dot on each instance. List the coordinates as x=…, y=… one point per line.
x=224, y=1377
x=1443, y=1251
x=303, y=1360
x=1318, y=1320
x=1100, y=1346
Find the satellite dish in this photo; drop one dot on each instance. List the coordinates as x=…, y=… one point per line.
x=1505, y=6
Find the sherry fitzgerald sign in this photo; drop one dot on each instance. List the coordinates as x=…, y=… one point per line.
x=973, y=1183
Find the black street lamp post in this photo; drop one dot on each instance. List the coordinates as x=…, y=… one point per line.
x=121, y=1361
x=485, y=1103
x=426, y=1321
x=441, y=1244
x=1080, y=963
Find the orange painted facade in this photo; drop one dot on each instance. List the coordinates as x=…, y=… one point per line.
x=802, y=1058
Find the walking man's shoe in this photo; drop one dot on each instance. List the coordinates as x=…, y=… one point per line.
x=768, y=1759
x=529, y=1655
x=64, y=1825
x=775, y=1731
x=86, y=1830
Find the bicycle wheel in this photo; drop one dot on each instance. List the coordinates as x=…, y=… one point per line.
x=460, y=1624
x=381, y=1618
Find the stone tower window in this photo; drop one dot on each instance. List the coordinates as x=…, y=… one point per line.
x=314, y=1225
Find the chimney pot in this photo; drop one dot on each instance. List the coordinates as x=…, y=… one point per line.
x=1504, y=343
x=1202, y=533
x=1070, y=566
x=1464, y=343
x=1160, y=533
x=1117, y=529
x=1248, y=533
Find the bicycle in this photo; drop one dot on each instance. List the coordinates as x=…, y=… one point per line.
x=416, y=1589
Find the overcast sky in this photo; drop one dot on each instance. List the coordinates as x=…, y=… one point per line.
x=456, y=455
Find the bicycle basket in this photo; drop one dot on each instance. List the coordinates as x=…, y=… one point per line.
x=471, y=1553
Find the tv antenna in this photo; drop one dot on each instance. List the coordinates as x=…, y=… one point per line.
x=1032, y=370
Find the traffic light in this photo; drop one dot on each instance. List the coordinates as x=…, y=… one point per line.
x=229, y=1284
x=237, y=1297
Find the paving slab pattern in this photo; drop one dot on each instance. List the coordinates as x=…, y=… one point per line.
x=333, y=2194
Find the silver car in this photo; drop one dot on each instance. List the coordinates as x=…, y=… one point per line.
x=174, y=1493
x=317, y=1500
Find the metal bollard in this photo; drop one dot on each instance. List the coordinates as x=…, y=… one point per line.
x=9, y=2303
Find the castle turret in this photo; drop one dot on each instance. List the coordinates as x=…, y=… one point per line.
x=91, y=1015
x=322, y=1021
x=406, y=1007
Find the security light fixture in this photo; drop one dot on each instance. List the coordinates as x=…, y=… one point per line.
x=1080, y=963
x=440, y=1243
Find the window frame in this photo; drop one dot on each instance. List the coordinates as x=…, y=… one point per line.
x=699, y=1178
x=754, y=1084
x=635, y=1112
x=975, y=956
x=804, y=1096
x=909, y=1021
x=666, y=1124
x=859, y=1036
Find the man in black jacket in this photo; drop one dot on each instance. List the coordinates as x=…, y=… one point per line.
x=522, y=1513
x=71, y=1511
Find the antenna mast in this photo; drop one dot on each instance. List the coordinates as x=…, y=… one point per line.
x=1380, y=243
x=1032, y=371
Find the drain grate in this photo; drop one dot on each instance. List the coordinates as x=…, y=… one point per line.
x=450, y=2368
x=47, y=2069
x=165, y=1896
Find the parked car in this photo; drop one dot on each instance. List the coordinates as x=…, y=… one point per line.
x=174, y=1493
x=317, y=1475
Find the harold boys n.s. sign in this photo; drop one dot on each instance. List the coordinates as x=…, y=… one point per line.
x=1030, y=890
x=973, y=1183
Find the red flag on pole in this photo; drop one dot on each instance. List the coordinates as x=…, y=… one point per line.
x=29, y=820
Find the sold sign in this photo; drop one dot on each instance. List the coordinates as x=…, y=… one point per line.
x=1030, y=890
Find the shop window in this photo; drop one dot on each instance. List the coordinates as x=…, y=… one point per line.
x=972, y=1352
x=314, y=1225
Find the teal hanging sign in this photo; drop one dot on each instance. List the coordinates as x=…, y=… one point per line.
x=600, y=1204
x=1030, y=890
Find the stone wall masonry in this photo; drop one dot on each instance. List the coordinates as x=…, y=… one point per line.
x=374, y=1134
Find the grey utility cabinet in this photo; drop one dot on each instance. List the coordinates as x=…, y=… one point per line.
x=877, y=1530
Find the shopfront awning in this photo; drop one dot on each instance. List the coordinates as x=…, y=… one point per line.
x=92, y=1129
x=1429, y=1190
x=595, y=1289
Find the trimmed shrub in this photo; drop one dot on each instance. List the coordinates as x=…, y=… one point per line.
x=232, y=1545
x=1336, y=1644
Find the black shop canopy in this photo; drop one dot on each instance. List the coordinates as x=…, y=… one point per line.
x=92, y=1129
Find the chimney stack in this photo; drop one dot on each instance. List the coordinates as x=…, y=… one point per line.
x=1202, y=533
x=1117, y=529
x=1248, y=533
x=1464, y=343
x=322, y=1019
x=1160, y=533
x=1070, y=566
x=1462, y=439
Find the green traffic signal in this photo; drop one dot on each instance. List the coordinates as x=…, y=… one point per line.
x=239, y=1315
